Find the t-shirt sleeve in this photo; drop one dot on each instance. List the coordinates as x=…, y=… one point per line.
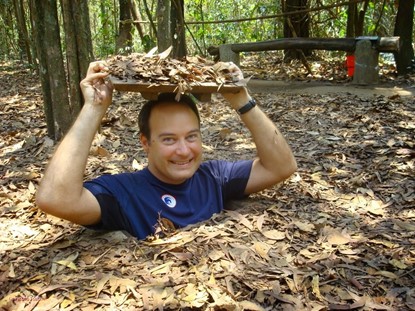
x=113, y=216
x=233, y=177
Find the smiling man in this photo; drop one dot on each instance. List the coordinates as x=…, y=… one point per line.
x=176, y=185
x=170, y=135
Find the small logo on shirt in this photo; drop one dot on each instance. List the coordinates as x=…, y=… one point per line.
x=169, y=200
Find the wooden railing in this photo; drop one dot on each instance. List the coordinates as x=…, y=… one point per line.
x=365, y=49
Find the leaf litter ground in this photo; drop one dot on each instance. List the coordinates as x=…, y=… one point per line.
x=338, y=235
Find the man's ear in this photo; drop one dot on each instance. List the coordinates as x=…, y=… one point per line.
x=144, y=142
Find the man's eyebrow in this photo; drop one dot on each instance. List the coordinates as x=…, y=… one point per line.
x=194, y=131
x=174, y=134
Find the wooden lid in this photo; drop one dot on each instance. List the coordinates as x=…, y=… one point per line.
x=150, y=91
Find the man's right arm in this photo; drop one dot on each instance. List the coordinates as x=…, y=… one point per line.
x=61, y=192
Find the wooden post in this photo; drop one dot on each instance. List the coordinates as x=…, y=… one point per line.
x=227, y=55
x=366, y=69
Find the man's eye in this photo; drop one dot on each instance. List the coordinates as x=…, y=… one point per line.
x=168, y=140
x=192, y=137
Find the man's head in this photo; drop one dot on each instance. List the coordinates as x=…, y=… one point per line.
x=145, y=113
x=170, y=134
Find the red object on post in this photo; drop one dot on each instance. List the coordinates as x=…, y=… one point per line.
x=350, y=59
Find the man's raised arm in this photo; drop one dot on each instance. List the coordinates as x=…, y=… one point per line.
x=275, y=161
x=61, y=192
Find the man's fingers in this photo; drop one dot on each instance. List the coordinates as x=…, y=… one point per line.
x=94, y=77
x=98, y=66
x=109, y=85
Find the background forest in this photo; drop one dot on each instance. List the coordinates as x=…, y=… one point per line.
x=60, y=38
x=132, y=25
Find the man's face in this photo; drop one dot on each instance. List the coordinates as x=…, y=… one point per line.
x=174, y=149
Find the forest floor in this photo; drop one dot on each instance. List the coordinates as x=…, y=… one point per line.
x=338, y=235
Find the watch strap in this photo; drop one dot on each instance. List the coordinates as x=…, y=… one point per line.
x=248, y=106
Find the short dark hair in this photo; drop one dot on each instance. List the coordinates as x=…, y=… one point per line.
x=144, y=116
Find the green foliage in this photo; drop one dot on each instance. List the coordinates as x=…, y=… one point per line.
x=148, y=43
x=104, y=19
x=8, y=31
x=103, y=26
x=229, y=32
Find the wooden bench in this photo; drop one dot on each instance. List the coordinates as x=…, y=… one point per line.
x=365, y=49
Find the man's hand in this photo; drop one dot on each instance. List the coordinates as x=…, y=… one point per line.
x=236, y=100
x=229, y=70
x=95, y=88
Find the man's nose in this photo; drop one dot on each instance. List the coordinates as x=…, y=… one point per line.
x=182, y=147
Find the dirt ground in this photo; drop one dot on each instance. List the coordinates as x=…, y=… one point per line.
x=338, y=235
x=324, y=88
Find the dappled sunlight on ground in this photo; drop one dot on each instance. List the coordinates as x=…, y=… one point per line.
x=339, y=234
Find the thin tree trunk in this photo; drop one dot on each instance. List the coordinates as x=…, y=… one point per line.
x=124, y=38
x=351, y=20
x=137, y=19
x=24, y=43
x=164, y=37
x=75, y=97
x=7, y=16
x=38, y=27
x=51, y=46
x=361, y=19
x=178, y=28
x=78, y=48
x=300, y=26
x=146, y=40
x=150, y=18
x=83, y=35
x=403, y=28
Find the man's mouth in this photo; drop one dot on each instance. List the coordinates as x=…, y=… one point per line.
x=182, y=163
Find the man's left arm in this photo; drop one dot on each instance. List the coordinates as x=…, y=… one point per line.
x=275, y=161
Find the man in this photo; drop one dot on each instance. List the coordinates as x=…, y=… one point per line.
x=176, y=185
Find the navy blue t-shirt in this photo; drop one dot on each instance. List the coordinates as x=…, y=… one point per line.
x=135, y=201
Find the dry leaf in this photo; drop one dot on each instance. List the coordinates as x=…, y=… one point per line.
x=336, y=237
x=260, y=221
x=315, y=286
x=240, y=219
x=262, y=249
x=303, y=226
x=69, y=261
x=406, y=225
x=274, y=235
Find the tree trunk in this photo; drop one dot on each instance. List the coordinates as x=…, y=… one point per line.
x=164, y=36
x=50, y=47
x=78, y=48
x=124, y=38
x=83, y=35
x=135, y=13
x=75, y=97
x=146, y=40
x=360, y=22
x=57, y=77
x=296, y=25
x=178, y=28
x=24, y=43
x=351, y=20
x=403, y=28
x=38, y=27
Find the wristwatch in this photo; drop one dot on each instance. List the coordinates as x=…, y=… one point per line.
x=248, y=106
